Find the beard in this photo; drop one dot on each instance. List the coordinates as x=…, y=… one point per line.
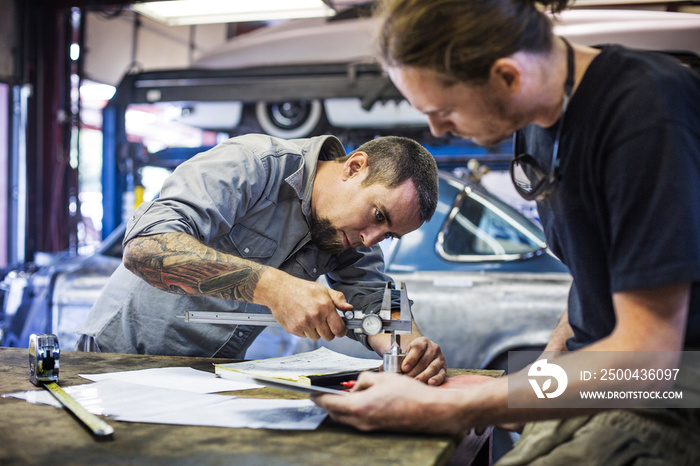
x=325, y=237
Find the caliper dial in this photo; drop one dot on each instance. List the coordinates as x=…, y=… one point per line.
x=371, y=324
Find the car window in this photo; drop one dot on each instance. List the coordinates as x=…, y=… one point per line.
x=477, y=228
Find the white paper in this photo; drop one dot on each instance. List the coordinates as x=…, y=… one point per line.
x=181, y=378
x=300, y=366
x=129, y=402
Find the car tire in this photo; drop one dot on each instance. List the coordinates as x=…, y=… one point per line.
x=290, y=119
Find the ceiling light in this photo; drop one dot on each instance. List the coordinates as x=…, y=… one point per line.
x=181, y=12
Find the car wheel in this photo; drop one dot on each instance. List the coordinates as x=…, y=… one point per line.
x=289, y=119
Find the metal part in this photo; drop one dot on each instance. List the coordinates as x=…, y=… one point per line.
x=44, y=355
x=393, y=360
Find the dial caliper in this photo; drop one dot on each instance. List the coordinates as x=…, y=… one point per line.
x=355, y=320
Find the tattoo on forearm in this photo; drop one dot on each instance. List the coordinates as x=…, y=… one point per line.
x=179, y=264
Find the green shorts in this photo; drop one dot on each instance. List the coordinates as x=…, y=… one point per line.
x=612, y=438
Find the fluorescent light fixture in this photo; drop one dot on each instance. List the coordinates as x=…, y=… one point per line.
x=181, y=12
x=91, y=91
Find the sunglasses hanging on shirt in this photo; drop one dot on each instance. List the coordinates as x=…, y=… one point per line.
x=531, y=181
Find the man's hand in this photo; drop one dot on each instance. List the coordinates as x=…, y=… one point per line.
x=392, y=402
x=303, y=308
x=425, y=362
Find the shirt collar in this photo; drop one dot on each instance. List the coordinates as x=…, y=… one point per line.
x=313, y=150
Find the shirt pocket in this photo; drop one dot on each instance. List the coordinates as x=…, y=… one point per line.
x=305, y=265
x=251, y=244
x=310, y=263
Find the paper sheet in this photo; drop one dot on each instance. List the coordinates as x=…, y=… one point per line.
x=182, y=378
x=299, y=367
x=129, y=402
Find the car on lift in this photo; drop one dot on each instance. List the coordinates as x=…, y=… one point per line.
x=479, y=274
x=302, y=89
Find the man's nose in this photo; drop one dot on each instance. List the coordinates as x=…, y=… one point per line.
x=438, y=126
x=372, y=236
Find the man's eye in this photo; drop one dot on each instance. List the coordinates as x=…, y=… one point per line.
x=379, y=216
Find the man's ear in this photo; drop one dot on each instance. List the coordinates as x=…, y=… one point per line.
x=355, y=164
x=506, y=76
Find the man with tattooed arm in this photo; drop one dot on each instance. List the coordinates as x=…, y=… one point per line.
x=249, y=226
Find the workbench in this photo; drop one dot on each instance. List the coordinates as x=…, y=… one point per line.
x=41, y=434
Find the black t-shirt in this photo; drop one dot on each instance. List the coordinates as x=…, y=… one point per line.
x=625, y=214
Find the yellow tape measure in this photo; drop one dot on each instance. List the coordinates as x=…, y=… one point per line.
x=94, y=423
x=44, y=355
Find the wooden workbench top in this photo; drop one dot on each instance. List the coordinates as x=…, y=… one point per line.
x=41, y=434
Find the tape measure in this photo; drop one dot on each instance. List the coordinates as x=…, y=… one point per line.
x=44, y=354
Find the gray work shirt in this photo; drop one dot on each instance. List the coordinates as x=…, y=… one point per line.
x=249, y=196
